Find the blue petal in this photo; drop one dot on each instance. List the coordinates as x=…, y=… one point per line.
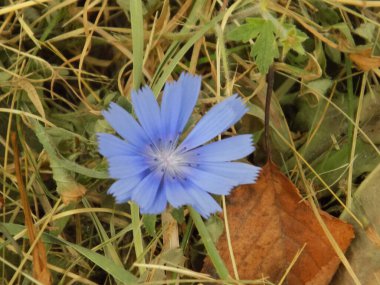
x=126, y=166
x=145, y=192
x=208, y=181
x=171, y=109
x=225, y=150
x=122, y=189
x=159, y=204
x=217, y=120
x=148, y=112
x=191, y=86
x=175, y=193
x=125, y=125
x=109, y=145
x=204, y=204
x=240, y=173
x=178, y=102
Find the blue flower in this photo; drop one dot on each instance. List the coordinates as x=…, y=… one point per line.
x=153, y=165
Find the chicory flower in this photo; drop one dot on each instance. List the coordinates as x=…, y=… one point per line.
x=153, y=165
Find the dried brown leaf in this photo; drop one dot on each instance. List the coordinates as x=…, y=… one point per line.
x=364, y=60
x=269, y=223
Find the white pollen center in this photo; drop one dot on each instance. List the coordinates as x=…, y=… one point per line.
x=167, y=160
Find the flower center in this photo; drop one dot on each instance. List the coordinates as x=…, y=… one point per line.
x=167, y=160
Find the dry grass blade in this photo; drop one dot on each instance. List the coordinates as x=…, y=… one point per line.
x=22, y=5
x=40, y=269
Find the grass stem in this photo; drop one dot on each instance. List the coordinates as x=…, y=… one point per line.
x=212, y=252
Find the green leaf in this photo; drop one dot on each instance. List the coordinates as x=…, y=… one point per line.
x=293, y=40
x=149, y=222
x=366, y=31
x=178, y=215
x=215, y=227
x=325, y=14
x=247, y=31
x=265, y=49
x=364, y=254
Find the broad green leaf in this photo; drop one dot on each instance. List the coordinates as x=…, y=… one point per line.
x=293, y=40
x=149, y=222
x=333, y=54
x=265, y=49
x=215, y=227
x=247, y=31
x=329, y=164
x=178, y=215
x=243, y=33
x=325, y=14
x=366, y=31
x=364, y=253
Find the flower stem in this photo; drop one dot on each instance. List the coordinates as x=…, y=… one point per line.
x=170, y=227
x=212, y=252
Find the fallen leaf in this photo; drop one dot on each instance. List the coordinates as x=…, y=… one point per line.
x=364, y=253
x=270, y=224
x=364, y=60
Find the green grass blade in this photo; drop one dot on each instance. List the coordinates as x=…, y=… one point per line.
x=212, y=252
x=181, y=53
x=137, y=24
x=108, y=248
x=108, y=265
